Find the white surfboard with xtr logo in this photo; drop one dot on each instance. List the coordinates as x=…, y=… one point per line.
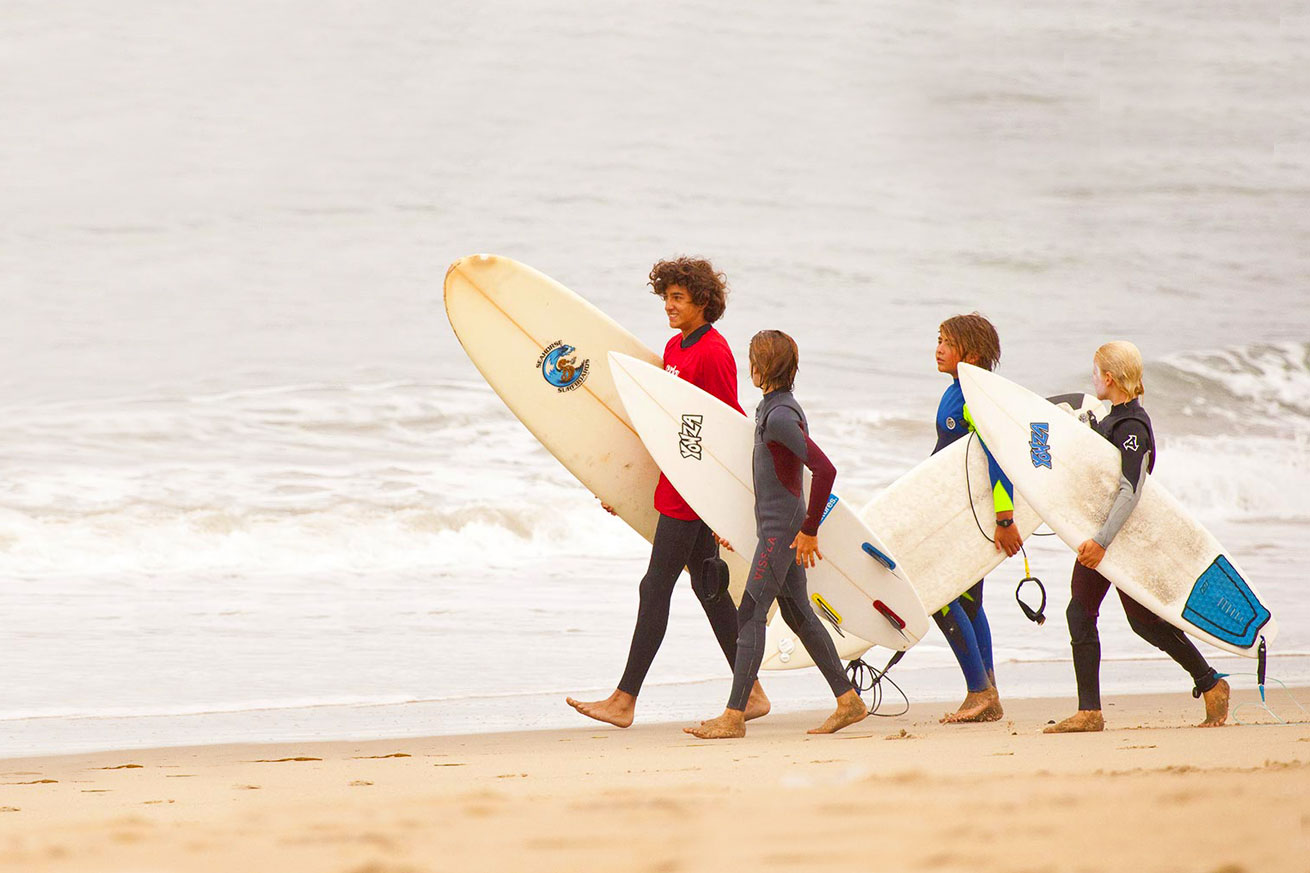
x=705, y=446
x=543, y=349
x=1162, y=557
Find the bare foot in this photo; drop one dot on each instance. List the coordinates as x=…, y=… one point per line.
x=1083, y=721
x=977, y=706
x=1216, y=705
x=729, y=726
x=617, y=709
x=850, y=709
x=757, y=705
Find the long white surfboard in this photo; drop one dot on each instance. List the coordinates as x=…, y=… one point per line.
x=543, y=349
x=938, y=523
x=704, y=446
x=1162, y=557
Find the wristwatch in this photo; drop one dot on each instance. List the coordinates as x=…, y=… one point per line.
x=1005, y=522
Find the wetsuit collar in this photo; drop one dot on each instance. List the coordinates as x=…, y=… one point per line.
x=695, y=336
x=775, y=392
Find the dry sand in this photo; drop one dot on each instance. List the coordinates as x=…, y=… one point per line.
x=1149, y=794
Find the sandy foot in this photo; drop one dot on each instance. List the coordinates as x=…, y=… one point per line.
x=850, y=709
x=1083, y=721
x=618, y=709
x=977, y=706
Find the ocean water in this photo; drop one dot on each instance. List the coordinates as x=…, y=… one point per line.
x=251, y=488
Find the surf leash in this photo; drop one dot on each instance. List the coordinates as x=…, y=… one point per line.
x=1261, y=678
x=716, y=571
x=868, y=678
x=1037, y=615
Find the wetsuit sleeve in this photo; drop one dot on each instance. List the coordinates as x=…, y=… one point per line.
x=1131, y=439
x=784, y=428
x=718, y=376
x=1002, y=489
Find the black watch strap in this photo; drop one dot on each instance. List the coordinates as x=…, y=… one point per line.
x=1005, y=522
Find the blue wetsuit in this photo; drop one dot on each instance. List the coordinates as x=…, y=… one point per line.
x=963, y=621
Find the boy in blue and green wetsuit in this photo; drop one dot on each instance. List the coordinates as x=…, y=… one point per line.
x=972, y=339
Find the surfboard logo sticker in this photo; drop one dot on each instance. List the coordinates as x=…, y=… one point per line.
x=1039, y=443
x=689, y=436
x=561, y=368
x=832, y=501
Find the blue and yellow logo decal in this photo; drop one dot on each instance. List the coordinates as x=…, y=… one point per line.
x=561, y=368
x=1039, y=443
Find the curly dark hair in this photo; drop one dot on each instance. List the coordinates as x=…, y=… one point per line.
x=706, y=287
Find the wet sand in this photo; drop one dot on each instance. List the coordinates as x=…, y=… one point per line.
x=1151, y=793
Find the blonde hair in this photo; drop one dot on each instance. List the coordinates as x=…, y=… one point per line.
x=1122, y=362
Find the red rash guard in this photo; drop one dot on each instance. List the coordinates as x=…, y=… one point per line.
x=703, y=359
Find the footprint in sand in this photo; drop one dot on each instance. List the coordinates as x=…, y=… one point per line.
x=283, y=760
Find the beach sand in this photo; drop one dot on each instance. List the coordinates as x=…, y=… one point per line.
x=1151, y=793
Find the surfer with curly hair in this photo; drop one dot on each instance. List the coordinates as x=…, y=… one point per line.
x=695, y=297
x=787, y=526
x=1117, y=377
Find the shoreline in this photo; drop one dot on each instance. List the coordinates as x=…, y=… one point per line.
x=989, y=797
x=665, y=702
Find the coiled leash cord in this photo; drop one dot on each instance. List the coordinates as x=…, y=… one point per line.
x=868, y=678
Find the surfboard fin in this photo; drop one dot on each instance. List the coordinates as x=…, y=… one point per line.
x=881, y=557
x=1260, y=668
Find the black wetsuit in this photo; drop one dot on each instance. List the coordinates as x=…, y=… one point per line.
x=782, y=446
x=1128, y=428
x=681, y=538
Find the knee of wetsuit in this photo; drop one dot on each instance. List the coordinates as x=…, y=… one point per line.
x=746, y=611
x=1082, y=624
x=948, y=620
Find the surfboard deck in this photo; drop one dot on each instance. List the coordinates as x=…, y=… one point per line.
x=705, y=446
x=1162, y=557
x=543, y=349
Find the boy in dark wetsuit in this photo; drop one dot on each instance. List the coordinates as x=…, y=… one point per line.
x=788, y=542
x=972, y=339
x=695, y=296
x=1117, y=377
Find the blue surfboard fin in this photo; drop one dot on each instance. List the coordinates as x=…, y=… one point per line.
x=1223, y=605
x=880, y=557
